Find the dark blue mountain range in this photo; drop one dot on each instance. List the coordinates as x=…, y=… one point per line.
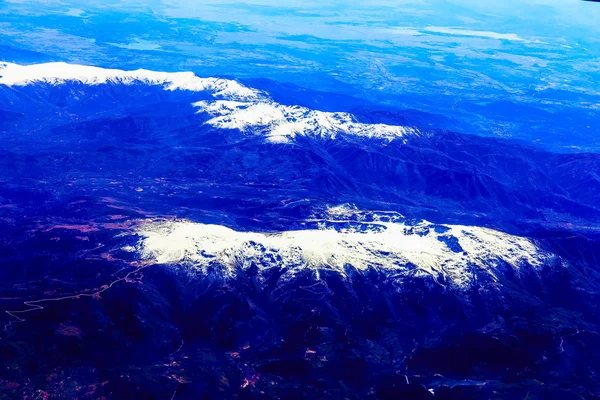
x=80, y=164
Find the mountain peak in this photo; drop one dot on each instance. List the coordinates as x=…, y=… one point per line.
x=60, y=73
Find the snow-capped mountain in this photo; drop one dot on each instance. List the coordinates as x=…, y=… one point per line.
x=242, y=108
x=60, y=73
x=457, y=256
x=281, y=123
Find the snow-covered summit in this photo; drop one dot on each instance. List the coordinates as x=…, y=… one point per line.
x=58, y=73
x=453, y=255
x=281, y=123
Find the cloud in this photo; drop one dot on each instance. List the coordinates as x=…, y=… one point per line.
x=467, y=32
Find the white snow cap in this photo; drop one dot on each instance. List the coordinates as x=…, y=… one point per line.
x=58, y=73
x=459, y=254
x=282, y=123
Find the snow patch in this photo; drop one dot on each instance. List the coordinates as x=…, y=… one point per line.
x=282, y=123
x=59, y=73
x=454, y=255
